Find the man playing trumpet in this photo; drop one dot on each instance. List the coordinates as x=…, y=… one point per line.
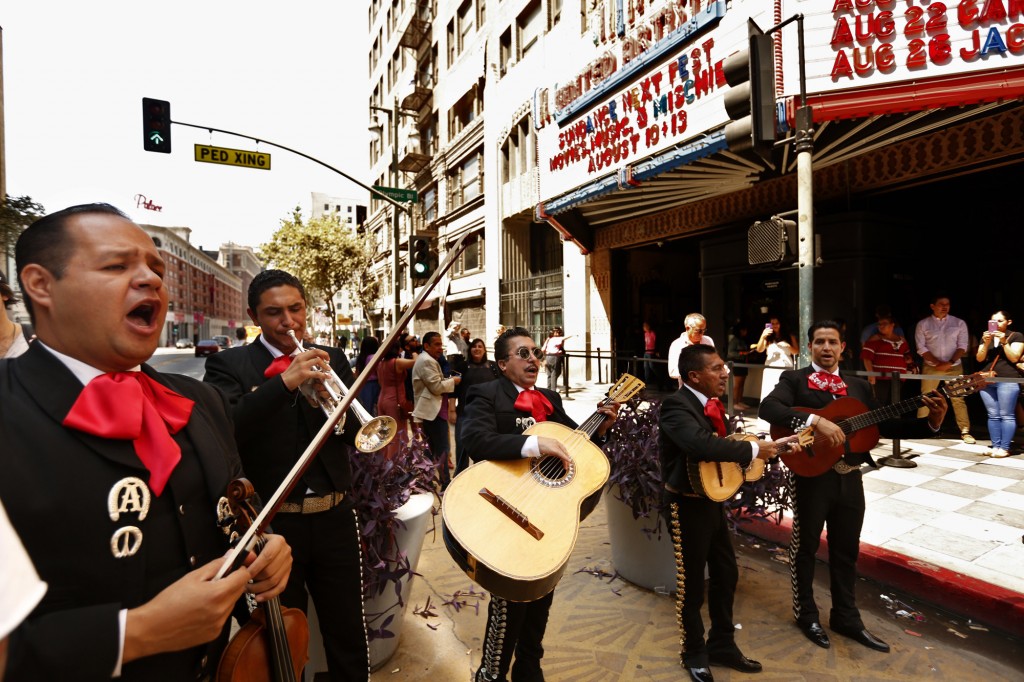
x=273, y=427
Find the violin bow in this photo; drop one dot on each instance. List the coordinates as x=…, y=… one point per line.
x=248, y=540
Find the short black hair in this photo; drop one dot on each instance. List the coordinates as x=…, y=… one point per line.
x=429, y=336
x=502, y=342
x=825, y=324
x=268, y=279
x=45, y=242
x=694, y=358
x=937, y=295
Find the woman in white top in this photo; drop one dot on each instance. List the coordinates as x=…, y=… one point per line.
x=780, y=349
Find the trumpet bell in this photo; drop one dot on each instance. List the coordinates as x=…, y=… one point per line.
x=376, y=433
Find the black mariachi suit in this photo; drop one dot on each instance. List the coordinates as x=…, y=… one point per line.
x=55, y=482
x=832, y=498
x=494, y=430
x=273, y=427
x=699, y=528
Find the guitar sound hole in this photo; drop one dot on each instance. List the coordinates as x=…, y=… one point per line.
x=551, y=472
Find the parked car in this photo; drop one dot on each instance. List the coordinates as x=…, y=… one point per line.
x=223, y=341
x=183, y=343
x=207, y=347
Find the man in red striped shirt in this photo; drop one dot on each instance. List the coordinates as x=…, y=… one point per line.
x=886, y=352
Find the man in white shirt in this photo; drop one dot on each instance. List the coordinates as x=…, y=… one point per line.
x=695, y=326
x=941, y=341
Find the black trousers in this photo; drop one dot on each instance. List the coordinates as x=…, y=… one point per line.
x=701, y=537
x=514, y=628
x=836, y=501
x=326, y=558
x=436, y=431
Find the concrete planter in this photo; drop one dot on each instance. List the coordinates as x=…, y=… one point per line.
x=415, y=514
x=645, y=560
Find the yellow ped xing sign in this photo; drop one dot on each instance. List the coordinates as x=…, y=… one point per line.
x=232, y=157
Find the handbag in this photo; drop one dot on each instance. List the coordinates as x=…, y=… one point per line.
x=991, y=371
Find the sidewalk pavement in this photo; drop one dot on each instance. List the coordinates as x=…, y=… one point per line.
x=948, y=531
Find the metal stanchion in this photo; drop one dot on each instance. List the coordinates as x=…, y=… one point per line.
x=896, y=459
x=599, y=366
x=565, y=375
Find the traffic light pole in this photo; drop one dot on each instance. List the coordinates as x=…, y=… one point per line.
x=804, y=148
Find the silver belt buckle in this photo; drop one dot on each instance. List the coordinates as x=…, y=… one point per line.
x=842, y=467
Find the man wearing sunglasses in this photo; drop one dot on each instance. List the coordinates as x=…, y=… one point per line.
x=497, y=414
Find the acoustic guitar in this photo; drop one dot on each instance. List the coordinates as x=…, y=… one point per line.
x=859, y=425
x=719, y=481
x=512, y=524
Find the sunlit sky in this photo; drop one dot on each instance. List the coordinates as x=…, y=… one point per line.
x=292, y=73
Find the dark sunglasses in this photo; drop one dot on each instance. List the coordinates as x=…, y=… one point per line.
x=525, y=353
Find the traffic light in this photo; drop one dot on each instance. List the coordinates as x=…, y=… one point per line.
x=421, y=268
x=156, y=125
x=750, y=101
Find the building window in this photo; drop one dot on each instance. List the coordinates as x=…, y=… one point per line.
x=554, y=12
x=430, y=205
x=505, y=51
x=464, y=112
x=451, y=43
x=481, y=12
x=467, y=21
x=529, y=27
x=466, y=180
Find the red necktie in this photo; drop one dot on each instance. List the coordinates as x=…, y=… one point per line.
x=826, y=381
x=534, y=402
x=132, y=406
x=716, y=413
x=279, y=365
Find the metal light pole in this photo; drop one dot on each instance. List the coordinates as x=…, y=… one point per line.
x=396, y=304
x=804, y=148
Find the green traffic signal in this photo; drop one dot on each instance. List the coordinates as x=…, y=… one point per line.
x=156, y=125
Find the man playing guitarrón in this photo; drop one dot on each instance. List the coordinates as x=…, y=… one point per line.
x=836, y=497
x=692, y=421
x=497, y=414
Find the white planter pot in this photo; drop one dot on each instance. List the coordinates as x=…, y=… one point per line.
x=644, y=560
x=415, y=514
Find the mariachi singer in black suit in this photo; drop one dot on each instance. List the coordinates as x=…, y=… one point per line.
x=497, y=414
x=692, y=426
x=111, y=472
x=836, y=498
x=274, y=424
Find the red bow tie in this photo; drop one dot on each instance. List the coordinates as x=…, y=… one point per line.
x=714, y=411
x=826, y=381
x=279, y=365
x=132, y=406
x=534, y=402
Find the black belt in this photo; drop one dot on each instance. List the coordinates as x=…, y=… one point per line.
x=313, y=505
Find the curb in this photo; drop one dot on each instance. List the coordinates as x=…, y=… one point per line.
x=970, y=597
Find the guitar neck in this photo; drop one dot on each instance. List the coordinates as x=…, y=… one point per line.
x=866, y=419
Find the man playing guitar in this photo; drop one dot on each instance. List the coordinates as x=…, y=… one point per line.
x=693, y=429
x=497, y=414
x=835, y=497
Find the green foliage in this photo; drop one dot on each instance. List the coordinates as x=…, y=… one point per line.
x=323, y=253
x=17, y=213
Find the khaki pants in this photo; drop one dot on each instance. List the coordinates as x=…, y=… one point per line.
x=959, y=406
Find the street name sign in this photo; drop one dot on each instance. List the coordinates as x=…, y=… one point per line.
x=232, y=157
x=398, y=194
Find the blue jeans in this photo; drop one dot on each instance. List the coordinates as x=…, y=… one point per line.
x=1000, y=401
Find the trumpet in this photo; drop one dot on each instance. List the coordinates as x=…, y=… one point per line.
x=374, y=432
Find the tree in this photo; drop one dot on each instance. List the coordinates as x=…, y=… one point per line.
x=325, y=255
x=16, y=213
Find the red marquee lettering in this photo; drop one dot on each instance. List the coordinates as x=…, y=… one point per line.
x=967, y=12
x=863, y=66
x=1015, y=38
x=841, y=66
x=885, y=60
x=841, y=34
x=842, y=6
x=993, y=11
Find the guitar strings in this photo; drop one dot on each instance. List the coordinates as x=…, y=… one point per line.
x=551, y=467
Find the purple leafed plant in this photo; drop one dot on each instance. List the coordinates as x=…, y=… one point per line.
x=634, y=452
x=380, y=486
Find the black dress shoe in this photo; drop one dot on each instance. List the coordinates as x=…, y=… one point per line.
x=736, y=661
x=701, y=674
x=816, y=634
x=865, y=638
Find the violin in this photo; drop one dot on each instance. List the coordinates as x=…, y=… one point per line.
x=274, y=645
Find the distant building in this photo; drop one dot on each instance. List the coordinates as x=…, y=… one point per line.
x=241, y=261
x=204, y=298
